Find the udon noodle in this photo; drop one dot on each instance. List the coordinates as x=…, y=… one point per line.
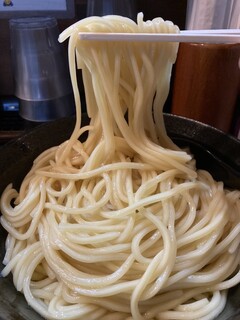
x=121, y=225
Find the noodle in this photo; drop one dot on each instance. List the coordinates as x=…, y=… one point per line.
x=122, y=225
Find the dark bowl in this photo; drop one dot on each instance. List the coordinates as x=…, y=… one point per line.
x=17, y=156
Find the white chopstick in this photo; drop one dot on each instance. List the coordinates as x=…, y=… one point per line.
x=209, y=36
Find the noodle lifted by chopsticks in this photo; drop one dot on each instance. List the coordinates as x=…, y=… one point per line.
x=121, y=226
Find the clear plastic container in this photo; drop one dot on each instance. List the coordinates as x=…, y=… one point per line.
x=40, y=69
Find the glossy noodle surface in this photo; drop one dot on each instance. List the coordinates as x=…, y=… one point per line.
x=122, y=225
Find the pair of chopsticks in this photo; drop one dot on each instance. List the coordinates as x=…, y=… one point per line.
x=200, y=36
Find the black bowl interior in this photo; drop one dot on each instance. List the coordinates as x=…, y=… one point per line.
x=16, y=159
